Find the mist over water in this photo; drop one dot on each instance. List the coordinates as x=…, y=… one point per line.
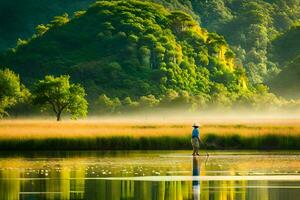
x=217, y=117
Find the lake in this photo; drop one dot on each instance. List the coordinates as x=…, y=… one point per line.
x=167, y=175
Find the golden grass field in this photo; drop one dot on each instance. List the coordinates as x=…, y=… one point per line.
x=42, y=129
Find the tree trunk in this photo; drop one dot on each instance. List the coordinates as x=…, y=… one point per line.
x=58, y=116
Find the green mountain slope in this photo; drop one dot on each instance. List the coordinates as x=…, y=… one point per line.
x=18, y=18
x=129, y=48
x=286, y=51
x=287, y=47
x=249, y=27
x=288, y=80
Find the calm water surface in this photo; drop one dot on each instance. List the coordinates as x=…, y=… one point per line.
x=149, y=175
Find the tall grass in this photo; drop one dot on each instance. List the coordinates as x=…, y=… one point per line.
x=255, y=142
x=265, y=142
x=99, y=135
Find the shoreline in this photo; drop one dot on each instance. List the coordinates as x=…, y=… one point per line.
x=212, y=142
x=37, y=135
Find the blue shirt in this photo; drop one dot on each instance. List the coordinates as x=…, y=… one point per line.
x=195, y=133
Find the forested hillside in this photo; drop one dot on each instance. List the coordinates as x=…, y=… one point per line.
x=286, y=51
x=248, y=26
x=286, y=47
x=156, y=51
x=260, y=34
x=130, y=49
x=18, y=18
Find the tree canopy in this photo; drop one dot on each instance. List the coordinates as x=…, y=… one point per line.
x=286, y=51
x=18, y=18
x=11, y=90
x=59, y=95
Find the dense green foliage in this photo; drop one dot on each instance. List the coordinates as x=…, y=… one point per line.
x=249, y=27
x=133, y=49
x=12, y=91
x=287, y=82
x=220, y=100
x=286, y=47
x=130, y=55
x=286, y=51
x=59, y=95
x=18, y=18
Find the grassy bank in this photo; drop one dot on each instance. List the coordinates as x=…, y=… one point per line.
x=99, y=135
x=212, y=141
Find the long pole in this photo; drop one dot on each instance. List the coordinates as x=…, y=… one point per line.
x=204, y=147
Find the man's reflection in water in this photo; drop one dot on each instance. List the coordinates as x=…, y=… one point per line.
x=196, y=181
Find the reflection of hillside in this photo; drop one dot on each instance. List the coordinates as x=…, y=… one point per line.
x=9, y=189
x=79, y=188
x=59, y=181
x=71, y=179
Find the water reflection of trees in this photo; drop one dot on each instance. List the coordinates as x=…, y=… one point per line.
x=9, y=184
x=66, y=183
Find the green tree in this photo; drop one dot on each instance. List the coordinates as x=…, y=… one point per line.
x=221, y=98
x=148, y=101
x=58, y=94
x=60, y=20
x=129, y=104
x=181, y=21
x=11, y=90
x=41, y=29
x=109, y=105
x=21, y=42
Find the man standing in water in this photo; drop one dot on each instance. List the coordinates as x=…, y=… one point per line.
x=195, y=139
